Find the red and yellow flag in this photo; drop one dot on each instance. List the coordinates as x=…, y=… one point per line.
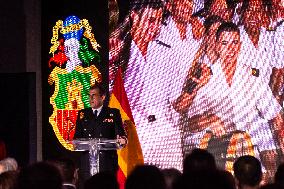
x=131, y=155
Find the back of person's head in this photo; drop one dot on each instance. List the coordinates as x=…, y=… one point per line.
x=198, y=160
x=102, y=180
x=271, y=186
x=247, y=171
x=145, y=177
x=205, y=179
x=170, y=175
x=67, y=168
x=8, y=179
x=41, y=175
x=8, y=164
x=279, y=175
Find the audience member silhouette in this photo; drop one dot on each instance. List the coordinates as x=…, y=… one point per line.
x=171, y=175
x=41, y=175
x=271, y=186
x=279, y=176
x=145, y=177
x=199, y=160
x=68, y=171
x=102, y=180
x=247, y=171
x=8, y=179
x=205, y=179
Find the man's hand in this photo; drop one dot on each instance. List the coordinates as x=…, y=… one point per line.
x=200, y=122
x=183, y=102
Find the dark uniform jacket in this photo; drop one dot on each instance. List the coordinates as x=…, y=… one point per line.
x=107, y=125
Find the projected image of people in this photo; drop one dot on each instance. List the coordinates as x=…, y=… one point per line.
x=204, y=74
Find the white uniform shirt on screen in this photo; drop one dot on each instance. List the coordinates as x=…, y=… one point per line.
x=248, y=103
x=155, y=138
x=153, y=82
x=165, y=75
x=261, y=57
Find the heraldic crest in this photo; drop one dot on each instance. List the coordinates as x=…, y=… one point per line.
x=74, y=51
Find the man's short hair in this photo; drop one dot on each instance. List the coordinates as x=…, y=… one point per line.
x=199, y=160
x=67, y=168
x=209, y=21
x=137, y=5
x=227, y=27
x=42, y=175
x=247, y=170
x=100, y=87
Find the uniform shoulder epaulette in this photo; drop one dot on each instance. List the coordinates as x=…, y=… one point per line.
x=255, y=72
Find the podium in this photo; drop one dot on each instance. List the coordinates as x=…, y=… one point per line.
x=94, y=146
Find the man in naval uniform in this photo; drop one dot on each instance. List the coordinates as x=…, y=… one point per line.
x=100, y=121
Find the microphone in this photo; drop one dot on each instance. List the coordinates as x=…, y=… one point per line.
x=163, y=44
x=190, y=85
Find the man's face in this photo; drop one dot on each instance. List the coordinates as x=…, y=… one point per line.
x=96, y=100
x=147, y=23
x=255, y=16
x=228, y=46
x=182, y=10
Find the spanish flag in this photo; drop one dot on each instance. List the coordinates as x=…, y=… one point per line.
x=131, y=155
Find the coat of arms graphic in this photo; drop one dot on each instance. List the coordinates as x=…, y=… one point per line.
x=74, y=51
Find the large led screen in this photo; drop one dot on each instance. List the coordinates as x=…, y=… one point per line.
x=203, y=74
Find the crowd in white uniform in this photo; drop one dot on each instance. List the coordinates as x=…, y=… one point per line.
x=154, y=81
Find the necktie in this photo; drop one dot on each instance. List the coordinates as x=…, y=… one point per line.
x=96, y=114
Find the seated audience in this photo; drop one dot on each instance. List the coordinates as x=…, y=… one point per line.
x=205, y=179
x=198, y=160
x=8, y=179
x=102, y=180
x=271, y=186
x=170, y=175
x=41, y=175
x=68, y=171
x=145, y=177
x=247, y=171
